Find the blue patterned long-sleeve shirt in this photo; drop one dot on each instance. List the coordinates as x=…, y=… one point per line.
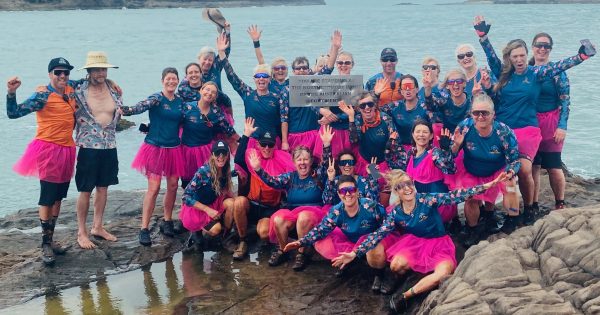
x=200, y=129
x=424, y=221
x=516, y=102
x=404, y=118
x=200, y=189
x=374, y=141
x=369, y=217
x=555, y=94
x=268, y=111
x=451, y=114
x=299, y=191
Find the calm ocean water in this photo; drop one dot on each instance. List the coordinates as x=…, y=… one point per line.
x=143, y=42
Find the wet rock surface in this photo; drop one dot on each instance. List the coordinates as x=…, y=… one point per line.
x=551, y=266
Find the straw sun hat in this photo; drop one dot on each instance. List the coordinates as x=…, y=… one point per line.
x=97, y=59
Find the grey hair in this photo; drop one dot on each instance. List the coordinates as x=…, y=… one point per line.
x=206, y=50
x=484, y=99
x=461, y=46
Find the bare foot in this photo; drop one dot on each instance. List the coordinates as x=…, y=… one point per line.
x=85, y=242
x=102, y=233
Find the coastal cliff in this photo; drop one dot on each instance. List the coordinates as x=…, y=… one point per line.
x=34, y=5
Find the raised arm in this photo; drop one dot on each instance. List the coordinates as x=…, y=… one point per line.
x=459, y=195
x=482, y=29
x=240, y=153
x=254, y=32
x=348, y=110
x=282, y=181
x=238, y=85
x=552, y=69
x=336, y=44
x=34, y=103
x=442, y=157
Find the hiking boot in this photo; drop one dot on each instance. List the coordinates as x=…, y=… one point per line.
x=376, y=286
x=167, y=228
x=388, y=284
x=277, y=258
x=299, y=262
x=144, y=237
x=454, y=227
x=398, y=303
x=241, y=251
x=559, y=204
x=528, y=215
x=490, y=222
x=47, y=254
x=510, y=224
x=473, y=235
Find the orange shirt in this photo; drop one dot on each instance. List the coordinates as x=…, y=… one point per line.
x=57, y=119
x=261, y=192
x=390, y=95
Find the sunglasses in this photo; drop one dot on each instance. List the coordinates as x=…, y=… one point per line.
x=267, y=145
x=407, y=86
x=389, y=59
x=59, y=72
x=404, y=184
x=341, y=63
x=262, y=76
x=301, y=68
x=346, y=163
x=347, y=190
x=366, y=104
x=220, y=153
x=455, y=81
x=279, y=68
x=430, y=67
x=546, y=46
x=462, y=56
x=480, y=113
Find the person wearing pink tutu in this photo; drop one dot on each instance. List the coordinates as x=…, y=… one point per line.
x=51, y=155
x=257, y=201
x=424, y=245
x=160, y=154
x=346, y=161
x=190, y=91
x=304, y=206
x=375, y=136
x=489, y=148
x=202, y=121
x=517, y=93
x=345, y=227
x=208, y=195
x=552, y=113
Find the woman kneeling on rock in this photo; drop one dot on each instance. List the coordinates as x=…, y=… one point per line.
x=424, y=246
x=209, y=193
x=305, y=208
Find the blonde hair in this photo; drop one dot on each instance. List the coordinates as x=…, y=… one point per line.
x=394, y=177
x=453, y=72
x=277, y=60
x=206, y=50
x=345, y=53
x=262, y=68
x=483, y=99
x=217, y=174
x=429, y=59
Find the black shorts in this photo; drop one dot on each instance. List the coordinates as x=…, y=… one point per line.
x=259, y=211
x=548, y=160
x=96, y=168
x=52, y=192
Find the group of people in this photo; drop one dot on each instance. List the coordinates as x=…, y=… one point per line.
x=378, y=178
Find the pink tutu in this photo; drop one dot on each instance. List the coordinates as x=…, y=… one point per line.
x=309, y=139
x=529, y=139
x=548, y=124
x=437, y=131
x=423, y=254
x=316, y=214
x=155, y=162
x=340, y=142
x=464, y=179
x=281, y=162
x=336, y=243
x=47, y=161
x=361, y=169
x=194, y=219
x=194, y=157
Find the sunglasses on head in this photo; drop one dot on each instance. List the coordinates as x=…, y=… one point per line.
x=262, y=76
x=346, y=163
x=267, y=144
x=347, y=62
x=301, y=68
x=407, y=86
x=455, y=81
x=430, y=67
x=347, y=190
x=59, y=72
x=467, y=54
x=480, y=113
x=389, y=59
x=546, y=46
x=279, y=68
x=366, y=104
x=404, y=184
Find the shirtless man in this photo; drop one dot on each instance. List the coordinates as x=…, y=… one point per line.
x=97, y=163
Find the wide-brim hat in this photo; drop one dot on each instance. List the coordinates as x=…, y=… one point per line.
x=215, y=16
x=97, y=59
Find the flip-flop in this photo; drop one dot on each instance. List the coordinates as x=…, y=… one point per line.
x=215, y=16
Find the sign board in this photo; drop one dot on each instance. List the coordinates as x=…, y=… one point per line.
x=324, y=90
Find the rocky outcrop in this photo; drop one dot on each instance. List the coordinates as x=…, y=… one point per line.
x=551, y=267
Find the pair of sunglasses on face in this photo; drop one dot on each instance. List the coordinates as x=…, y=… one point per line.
x=301, y=68
x=429, y=67
x=58, y=73
x=262, y=75
x=468, y=54
x=546, y=46
x=455, y=81
x=480, y=113
x=267, y=145
x=346, y=162
x=404, y=184
x=279, y=68
x=341, y=63
x=347, y=190
x=389, y=59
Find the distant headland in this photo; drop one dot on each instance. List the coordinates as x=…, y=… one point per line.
x=34, y=5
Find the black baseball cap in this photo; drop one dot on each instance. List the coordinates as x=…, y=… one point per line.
x=59, y=62
x=389, y=53
x=266, y=138
x=220, y=147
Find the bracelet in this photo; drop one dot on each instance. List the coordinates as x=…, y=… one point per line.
x=412, y=291
x=256, y=44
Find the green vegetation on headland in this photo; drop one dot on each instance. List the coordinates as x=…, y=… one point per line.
x=18, y=5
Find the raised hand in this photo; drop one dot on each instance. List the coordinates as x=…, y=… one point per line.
x=347, y=109
x=343, y=260
x=291, y=246
x=444, y=139
x=13, y=84
x=380, y=85
x=428, y=79
x=331, y=169
x=254, y=33
x=254, y=160
x=373, y=162
x=222, y=42
x=326, y=135
x=481, y=28
x=476, y=87
x=249, y=128
x=393, y=135
x=458, y=138
x=336, y=39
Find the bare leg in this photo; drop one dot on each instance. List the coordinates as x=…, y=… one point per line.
x=472, y=212
x=99, y=206
x=45, y=213
x=399, y=265
x=557, y=182
x=170, y=195
x=215, y=230
x=149, y=201
x=376, y=257
x=83, y=205
x=240, y=216
x=262, y=229
x=535, y=172
x=442, y=270
x=526, y=184
x=282, y=228
x=304, y=224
